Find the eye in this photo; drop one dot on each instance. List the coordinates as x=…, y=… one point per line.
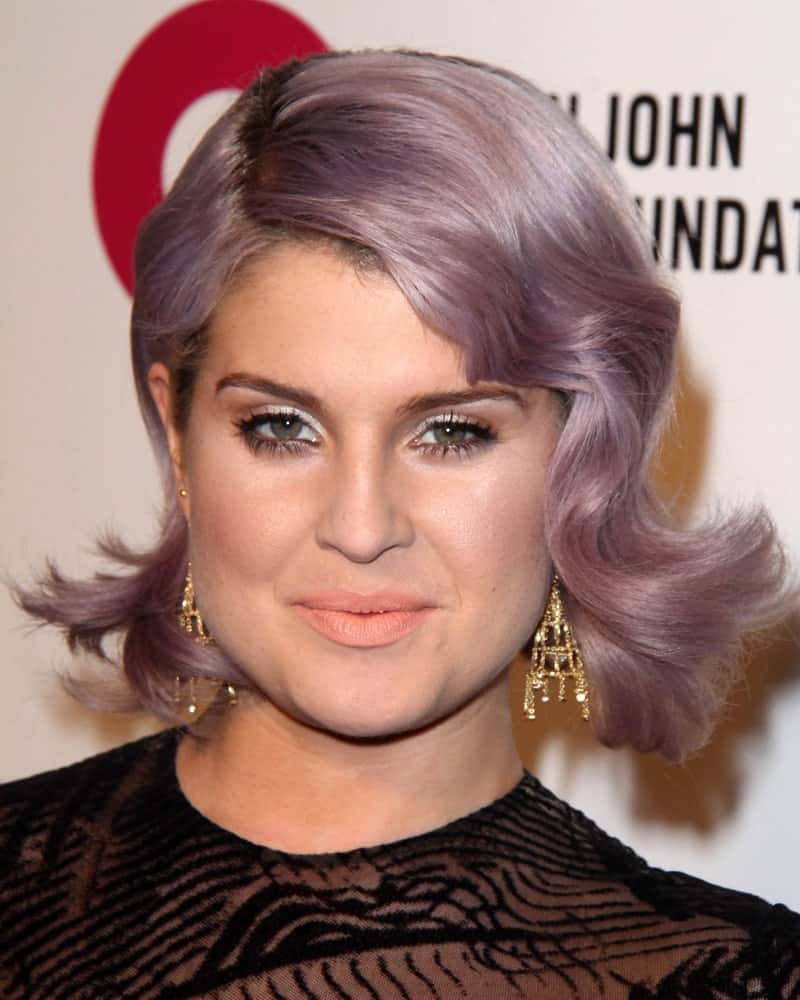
x=454, y=434
x=288, y=432
x=276, y=431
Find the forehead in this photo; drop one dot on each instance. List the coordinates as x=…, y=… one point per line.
x=310, y=315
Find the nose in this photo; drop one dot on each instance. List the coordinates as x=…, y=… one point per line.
x=366, y=508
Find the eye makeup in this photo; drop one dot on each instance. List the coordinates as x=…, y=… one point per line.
x=277, y=432
x=462, y=435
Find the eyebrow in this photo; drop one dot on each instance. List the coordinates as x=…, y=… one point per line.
x=413, y=406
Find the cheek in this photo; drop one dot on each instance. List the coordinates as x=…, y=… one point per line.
x=495, y=551
x=517, y=567
x=497, y=525
x=245, y=518
x=490, y=538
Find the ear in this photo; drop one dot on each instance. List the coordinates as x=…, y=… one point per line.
x=160, y=384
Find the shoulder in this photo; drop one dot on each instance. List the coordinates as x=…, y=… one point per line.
x=38, y=815
x=77, y=845
x=692, y=920
x=737, y=940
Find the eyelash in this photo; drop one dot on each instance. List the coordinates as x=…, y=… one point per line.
x=482, y=435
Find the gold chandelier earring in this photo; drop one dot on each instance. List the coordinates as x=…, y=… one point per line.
x=555, y=658
x=192, y=696
x=189, y=617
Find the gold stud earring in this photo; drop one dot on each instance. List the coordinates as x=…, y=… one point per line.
x=199, y=695
x=555, y=657
x=183, y=492
x=189, y=617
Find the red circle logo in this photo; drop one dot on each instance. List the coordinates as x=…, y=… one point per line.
x=204, y=47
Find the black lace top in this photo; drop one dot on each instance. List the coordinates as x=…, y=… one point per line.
x=113, y=886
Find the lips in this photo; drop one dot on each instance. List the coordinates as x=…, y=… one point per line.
x=381, y=600
x=351, y=619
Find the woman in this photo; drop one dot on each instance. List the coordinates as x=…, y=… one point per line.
x=403, y=351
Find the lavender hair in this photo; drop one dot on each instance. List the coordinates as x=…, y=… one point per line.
x=506, y=229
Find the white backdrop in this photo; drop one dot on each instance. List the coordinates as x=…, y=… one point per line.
x=74, y=458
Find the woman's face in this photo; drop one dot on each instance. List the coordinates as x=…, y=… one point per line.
x=334, y=448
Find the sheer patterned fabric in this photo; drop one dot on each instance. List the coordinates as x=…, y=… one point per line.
x=113, y=886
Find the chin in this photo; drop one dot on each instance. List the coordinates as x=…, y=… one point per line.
x=369, y=719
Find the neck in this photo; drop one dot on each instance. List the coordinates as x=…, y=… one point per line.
x=277, y=782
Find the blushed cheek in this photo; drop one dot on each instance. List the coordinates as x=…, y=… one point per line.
x=511, y=561
x=514, y=538
x=244, y=521
x=509, y=511
x=244, y=536
x=489, y=535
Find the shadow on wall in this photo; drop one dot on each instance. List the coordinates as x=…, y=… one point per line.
x=679, y=466
x=702, y=793
x=706, y=790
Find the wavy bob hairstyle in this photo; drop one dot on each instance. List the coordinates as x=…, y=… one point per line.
x=507, y=230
